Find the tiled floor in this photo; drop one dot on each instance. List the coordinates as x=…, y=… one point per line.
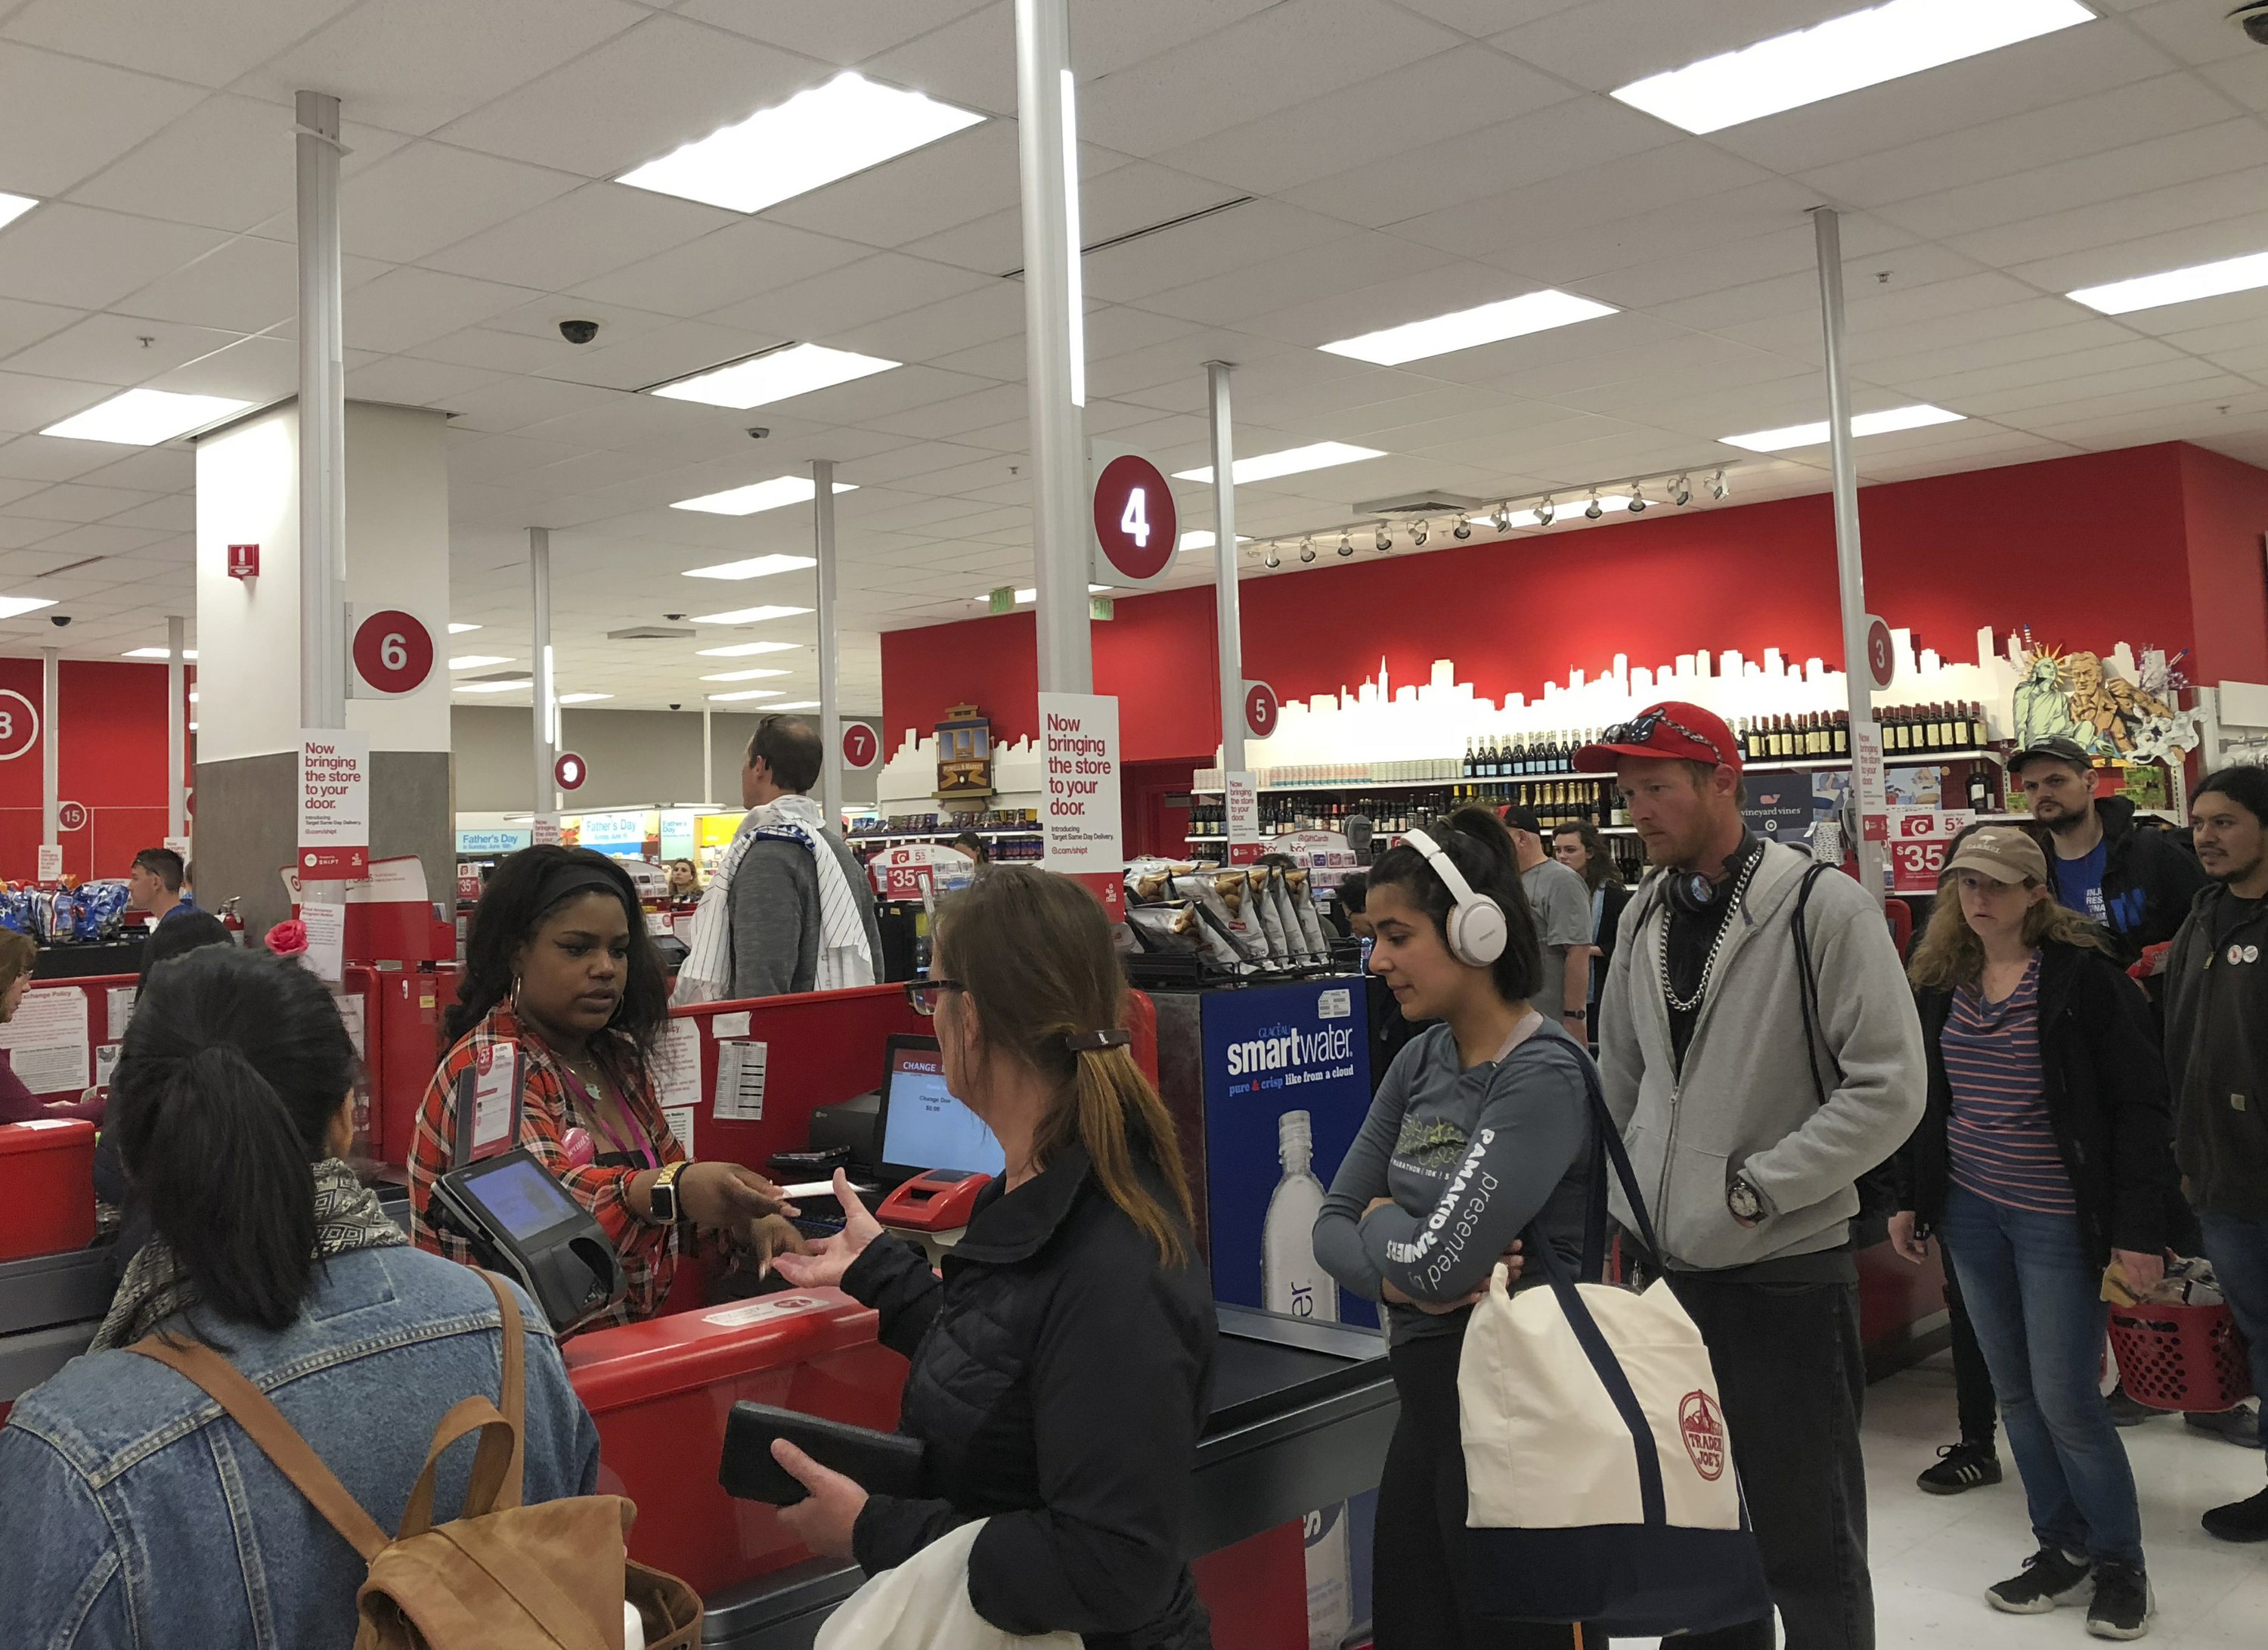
x=1934, y=1556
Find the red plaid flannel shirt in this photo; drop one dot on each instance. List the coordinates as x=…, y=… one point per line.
x=548, y=1110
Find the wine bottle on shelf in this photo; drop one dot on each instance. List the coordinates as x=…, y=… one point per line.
x=1980, y=789
x=1840, y=746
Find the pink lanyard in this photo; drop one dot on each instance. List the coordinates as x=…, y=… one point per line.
x=590, y=1110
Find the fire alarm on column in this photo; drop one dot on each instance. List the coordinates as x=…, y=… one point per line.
x=244, y=561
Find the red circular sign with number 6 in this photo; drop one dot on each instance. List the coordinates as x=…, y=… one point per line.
x=392, y=651
x=1261, y=708
x=860, y=748
x=1135, y=520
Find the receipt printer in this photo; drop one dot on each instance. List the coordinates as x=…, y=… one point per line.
x=521, y=1222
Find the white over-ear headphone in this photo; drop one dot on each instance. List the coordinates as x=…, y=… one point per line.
x=1477, y=925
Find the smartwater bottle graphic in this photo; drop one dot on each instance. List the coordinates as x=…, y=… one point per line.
x=1292, y=1282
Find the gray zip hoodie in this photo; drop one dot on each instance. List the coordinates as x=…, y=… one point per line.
x=1746, y=1101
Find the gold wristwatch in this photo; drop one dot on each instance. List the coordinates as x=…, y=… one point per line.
x=662, y=1208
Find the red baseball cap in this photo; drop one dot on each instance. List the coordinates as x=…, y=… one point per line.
x=1674, y=729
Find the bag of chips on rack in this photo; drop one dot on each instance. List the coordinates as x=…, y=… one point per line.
x=1223, y=901
x=1296, y=884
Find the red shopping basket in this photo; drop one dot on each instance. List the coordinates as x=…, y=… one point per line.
x=2186, y=1357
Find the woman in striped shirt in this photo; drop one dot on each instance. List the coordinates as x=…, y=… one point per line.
x=2046, y=1154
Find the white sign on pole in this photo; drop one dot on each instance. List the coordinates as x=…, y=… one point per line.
x=1873, y=795
x=51, y=862
x=545, y=831
x=1242, y=798
x=325, y=956
x=1079, y=747
x=333, y=805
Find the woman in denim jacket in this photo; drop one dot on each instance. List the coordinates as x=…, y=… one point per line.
x=132, y=1511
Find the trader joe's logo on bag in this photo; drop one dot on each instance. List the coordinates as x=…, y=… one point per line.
x=1702, y=1425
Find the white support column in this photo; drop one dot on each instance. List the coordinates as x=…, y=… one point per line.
x=547, y=709
x=177, y=733
x=322, y=421
x=51, y=794
x=1055, y=344
x=708, y=751
x=1850, y=567
x=830, y=707
x=1225, y=611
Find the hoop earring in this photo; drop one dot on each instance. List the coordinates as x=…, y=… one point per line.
x=513, y=995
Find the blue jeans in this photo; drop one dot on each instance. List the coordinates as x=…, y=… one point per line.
x=2035, y=1300
x=2238, y=1249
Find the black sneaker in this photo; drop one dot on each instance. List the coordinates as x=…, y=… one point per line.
x=2123, y=1603
x=2240, y=1521
x=1961, y=1466
x=2049, y=1577
x=2125, y=1411
x=2239, y=1426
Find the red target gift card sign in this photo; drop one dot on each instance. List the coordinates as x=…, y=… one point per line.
x=1917, y=841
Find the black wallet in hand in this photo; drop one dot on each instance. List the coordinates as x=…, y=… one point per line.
x=882, y=1463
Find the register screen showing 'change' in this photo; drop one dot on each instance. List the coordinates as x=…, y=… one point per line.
x=927, y=1127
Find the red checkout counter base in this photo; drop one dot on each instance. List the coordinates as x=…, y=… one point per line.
x=1302, y=1414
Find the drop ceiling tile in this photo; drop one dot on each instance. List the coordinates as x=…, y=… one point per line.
x=857, y=294
x=2194, y=34
x=1323, y=285
x=725, y=267
x=1003, y=359
x=409, y=305
x=2139, y=234
x=246, y=285
x=663, y=82
x=18, y=535
x=413, y=65
x=210, y=41
x=2012, y=334
x=71, y=501
x=427, y=195
x=28, y=403
x=992, y=312
x=657, y=355
x=176, y=514
x=1981, y=387
x=1248, y=234
x=844, y=32
x=259, y=369
x=971, y=61
x=100, y=539
x=970, y=175
x=23, y=324
x=62, y=119
x=227, y=163
x=2187, y=380
x=514, y=403
x=407, y=381
x=110, y=349
x=490, y=350
x=61, y=253
x=579, y=237
x=1601, y=44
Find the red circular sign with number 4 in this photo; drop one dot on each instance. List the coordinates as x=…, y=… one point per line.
x=1135, y=519
x=569, y=770
x=392, y=651
x=1261, y=708
x=860, y=748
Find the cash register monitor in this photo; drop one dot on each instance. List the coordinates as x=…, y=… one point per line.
x=924, y=1127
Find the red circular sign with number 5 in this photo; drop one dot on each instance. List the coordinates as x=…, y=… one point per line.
x=1135, y=520
x=1260, y=709
x=860, y=748
x=392, y=651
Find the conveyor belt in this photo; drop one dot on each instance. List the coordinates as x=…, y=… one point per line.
x=50, y=1305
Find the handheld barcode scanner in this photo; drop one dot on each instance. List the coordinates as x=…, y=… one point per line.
x=517, y=1218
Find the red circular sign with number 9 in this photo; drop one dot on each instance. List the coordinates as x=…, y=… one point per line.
x=1260, y=709
x=392, y=651
x=1135, y=520
x=860, y=748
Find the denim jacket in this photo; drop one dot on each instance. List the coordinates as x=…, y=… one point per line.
x=133, y=1514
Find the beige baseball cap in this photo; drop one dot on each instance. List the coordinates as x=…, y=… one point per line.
x=2001, y=852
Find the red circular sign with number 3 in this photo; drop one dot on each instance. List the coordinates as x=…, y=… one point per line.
x=392, y=651
x=1135, y=519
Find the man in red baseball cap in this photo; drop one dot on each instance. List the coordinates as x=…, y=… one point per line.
x=1760, y=1050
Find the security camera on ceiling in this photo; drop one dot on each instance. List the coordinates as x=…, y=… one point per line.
x=2252, y=17
x=59, y=619
x=578, y=331
x=757, y=432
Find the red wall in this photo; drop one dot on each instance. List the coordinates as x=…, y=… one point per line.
x=110, y=755
x=2088, y=550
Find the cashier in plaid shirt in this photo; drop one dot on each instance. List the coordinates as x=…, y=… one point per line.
x=558, y=961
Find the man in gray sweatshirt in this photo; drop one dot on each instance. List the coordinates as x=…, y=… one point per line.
x=779, y=938
x=1761, y=1053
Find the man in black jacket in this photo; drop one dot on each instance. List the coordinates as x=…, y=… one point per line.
x=2216, y=985
x=2135, y=881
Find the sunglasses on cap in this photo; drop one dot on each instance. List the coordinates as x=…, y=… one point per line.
x=1641, y=729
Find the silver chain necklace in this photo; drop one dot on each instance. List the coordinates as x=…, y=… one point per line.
x=1688, y=1005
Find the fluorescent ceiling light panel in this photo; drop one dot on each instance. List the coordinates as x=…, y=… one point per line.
x=473, y=662
x=137, y=652
x=1467, y=328
x=745, y=693
x=747, y=616
x=1874, y=423
x=1265, y=467
x=747, y=501
x=746, y=650
x=756, y=675
x=1025, y=597
x=2178, y=286
x=1203, y=539
x=582, y=698
x=13, y=207
x=798, y=704
x=820, y=133
x=12, y=606
x=144, y=417
x=1861, y=48
x=795, y=369
x=459, y=630
x=754, y=567
x=496, y=687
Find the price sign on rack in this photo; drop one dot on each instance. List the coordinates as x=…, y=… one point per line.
x=1919, y=838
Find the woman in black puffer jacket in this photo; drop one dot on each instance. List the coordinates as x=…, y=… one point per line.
x=1061, y=1368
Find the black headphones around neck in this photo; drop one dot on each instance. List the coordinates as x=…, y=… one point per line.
x=1695, y=894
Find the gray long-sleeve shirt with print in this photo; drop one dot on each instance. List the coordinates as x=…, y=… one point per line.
x=1470, y=1158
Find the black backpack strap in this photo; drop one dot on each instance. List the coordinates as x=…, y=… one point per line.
x=1808, y=985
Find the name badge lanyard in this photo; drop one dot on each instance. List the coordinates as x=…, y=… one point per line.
x=590, y=1107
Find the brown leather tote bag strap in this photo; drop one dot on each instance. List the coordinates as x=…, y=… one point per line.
x=264, y=1424
x=498, y=1442
x=513, y=1393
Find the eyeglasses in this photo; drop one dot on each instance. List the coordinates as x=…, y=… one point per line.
x=925, y=995
x=1641, y=730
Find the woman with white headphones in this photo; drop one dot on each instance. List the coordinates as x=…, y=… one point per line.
x=1482, y=1125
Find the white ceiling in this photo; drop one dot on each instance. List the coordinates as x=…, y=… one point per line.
x=1405, y=159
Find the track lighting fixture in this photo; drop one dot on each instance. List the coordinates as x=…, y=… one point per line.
x=1270, y=559
x=1307, y=551
x=1592, y=511
x=1462, y=530
x=1502, y=522
x=1637, y=498
x=1385, y=540
x=1346, y=542
x=1681, y=490
x=1545, y=511
x=1417, y=535
x=1717, y=488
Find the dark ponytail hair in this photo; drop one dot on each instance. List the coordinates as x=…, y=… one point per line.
x=1477, y=844
x=234, y=1064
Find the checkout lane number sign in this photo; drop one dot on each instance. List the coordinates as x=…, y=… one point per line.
x=393, y=652
x=19, y=726
x=1136, y=521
